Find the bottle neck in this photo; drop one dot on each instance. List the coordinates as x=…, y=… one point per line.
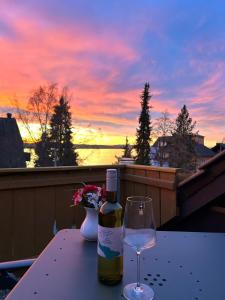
x=111, y=196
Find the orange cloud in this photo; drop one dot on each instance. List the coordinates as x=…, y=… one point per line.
x=97, y=66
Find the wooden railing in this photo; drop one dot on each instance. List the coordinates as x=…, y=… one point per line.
x=159, y=183
x=34, y=203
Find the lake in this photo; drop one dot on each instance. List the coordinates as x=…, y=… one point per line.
x=89, y=157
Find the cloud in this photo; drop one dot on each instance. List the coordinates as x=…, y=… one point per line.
x=105, y=52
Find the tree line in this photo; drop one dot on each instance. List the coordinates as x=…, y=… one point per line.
x=179, y=148
x=49, y=108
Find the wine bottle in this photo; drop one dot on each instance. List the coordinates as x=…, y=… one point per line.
x=110, y=234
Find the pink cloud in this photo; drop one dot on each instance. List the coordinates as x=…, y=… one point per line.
x=54, y=55
x=91, y=61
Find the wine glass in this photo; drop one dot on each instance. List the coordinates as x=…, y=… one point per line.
x=140, y=234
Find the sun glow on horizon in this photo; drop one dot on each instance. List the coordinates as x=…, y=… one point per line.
x=81, y=135
x=91, y=136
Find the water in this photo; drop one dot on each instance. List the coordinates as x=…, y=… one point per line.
x=140, y=239
x=89, y=156
x=99, y=156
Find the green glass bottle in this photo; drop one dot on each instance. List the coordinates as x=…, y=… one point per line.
x=110, y=234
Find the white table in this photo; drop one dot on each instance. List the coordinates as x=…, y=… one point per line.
x=183, y=266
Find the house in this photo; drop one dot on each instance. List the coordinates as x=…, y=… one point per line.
x=154, y=158
x=163, y=147
x=203, y=153
x=11, y=144
x=201, y=199
x=218, y=147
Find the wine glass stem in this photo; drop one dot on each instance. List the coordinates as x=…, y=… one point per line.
x=138, y=269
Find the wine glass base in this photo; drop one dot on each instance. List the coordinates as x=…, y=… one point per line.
x=132, y=292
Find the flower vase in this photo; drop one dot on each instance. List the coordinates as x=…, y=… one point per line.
x=89, y=228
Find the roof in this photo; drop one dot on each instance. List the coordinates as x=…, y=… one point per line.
x=164, y=138
x=11, y=144
x=203, y=186
x=216, y=159
x=200, y=149
x=218, y=147
x=203, y=151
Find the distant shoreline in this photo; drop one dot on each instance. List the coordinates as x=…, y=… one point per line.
x=84, y=146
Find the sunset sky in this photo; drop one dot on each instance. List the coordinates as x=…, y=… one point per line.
x=105, y=50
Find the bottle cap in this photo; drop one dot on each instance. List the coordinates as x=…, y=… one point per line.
x=111, y=180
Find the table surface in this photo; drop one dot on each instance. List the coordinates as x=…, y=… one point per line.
x=183, y=265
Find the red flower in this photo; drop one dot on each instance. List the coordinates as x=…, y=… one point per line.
x=89, y=196
x=77, y=196
x=90, y=188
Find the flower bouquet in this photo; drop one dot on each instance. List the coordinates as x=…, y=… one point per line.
x=91, y=196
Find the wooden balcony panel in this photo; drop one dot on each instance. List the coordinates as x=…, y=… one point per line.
x=152, y=174
x=158, y=183
x=6, y=230
x=40, y=180
x=154, y=193
x=168, y=207
x=35, y=203
x=23, y=223
x=161, y=183
x=64, y=213
x=44, y=215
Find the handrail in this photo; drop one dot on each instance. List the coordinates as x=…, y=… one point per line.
x=157, y=182
x=16, y=264
x=56, y=169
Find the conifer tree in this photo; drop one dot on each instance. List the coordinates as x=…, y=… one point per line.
x=184, y=125
x=127, y=149
x=62, y=150
x=42, y=151
x=182, y=154
x=143, y=134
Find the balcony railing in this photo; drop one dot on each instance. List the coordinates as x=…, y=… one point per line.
x=34, y=203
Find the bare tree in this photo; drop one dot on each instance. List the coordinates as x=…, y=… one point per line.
x=163, y=127
x=41, y=104
x=38, y=111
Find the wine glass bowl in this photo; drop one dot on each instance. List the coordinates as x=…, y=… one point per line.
x=139, y=234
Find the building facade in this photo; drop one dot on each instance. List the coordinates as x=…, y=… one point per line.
x=11, y=144
x=163, y=147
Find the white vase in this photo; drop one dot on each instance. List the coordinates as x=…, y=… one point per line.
x=89, y=228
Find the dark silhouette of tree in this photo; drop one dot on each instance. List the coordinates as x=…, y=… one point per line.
x=127, y=149
x=143, y=134
x=182, y=154
x=62, y=150
x=42, y=151
x=53, y=145
x=38, y=111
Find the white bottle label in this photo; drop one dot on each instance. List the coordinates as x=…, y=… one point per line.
x=110, y=242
